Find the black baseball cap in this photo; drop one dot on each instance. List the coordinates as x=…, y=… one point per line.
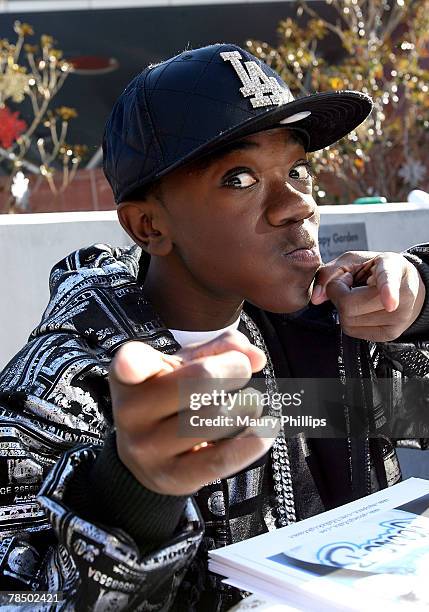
x=196, y=102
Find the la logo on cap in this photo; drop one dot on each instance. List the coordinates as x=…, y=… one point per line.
x=265, y=90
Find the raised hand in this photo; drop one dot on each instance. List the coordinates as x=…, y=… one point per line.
x=146, y=403
x=378, y=295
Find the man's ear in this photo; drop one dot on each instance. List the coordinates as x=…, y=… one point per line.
x=146, y=222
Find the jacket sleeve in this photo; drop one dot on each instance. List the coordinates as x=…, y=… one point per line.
x=56, y=439
x=405, y=364
x=419, y=256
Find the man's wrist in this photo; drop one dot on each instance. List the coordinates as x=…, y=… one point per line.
x=108, y=493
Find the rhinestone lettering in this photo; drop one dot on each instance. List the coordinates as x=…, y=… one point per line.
x=265, y=90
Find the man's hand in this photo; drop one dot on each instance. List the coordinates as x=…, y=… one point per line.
x=385, y=306
x=144, y=385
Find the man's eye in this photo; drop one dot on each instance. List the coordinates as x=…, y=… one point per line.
x=239, y=180
x=302, y=172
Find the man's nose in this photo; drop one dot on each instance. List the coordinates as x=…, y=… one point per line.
x=289, y=205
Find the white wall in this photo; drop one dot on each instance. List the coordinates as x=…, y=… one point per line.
x=31, y=244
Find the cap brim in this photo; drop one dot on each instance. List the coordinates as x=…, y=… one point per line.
x=332, y=116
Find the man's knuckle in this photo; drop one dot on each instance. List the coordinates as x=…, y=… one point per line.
x=139, y=449
x=407, y=293
x=222, y=410
x=240, y=364
x=390, y=334
x=347, y=329
x=204, y=368
x=403, y=318
x=219, y=463
x=231, y=335
x=161, y=480
x=343, y=309
x=351, y=321
x=254, y=444
x=386, y=256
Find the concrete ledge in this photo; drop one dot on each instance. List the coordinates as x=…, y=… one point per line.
x=58, y=217
x=389, y=227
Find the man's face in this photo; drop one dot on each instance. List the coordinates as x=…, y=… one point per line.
x=245, y=224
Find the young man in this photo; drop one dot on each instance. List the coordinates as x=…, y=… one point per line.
x=207, y=157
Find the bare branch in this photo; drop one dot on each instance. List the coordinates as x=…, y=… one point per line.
x=335, y=29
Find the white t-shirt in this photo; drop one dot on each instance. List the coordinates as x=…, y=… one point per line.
x=185, y=338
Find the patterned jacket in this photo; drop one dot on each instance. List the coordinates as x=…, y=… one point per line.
x=55, y=416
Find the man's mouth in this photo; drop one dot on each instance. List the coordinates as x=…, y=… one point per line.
x=306, y=255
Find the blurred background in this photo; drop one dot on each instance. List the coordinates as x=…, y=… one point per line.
x=64, y=62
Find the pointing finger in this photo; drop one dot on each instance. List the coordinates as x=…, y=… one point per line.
x=388, y=277
x=338, y=292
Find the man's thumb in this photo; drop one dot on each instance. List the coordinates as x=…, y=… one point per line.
x=338, y=288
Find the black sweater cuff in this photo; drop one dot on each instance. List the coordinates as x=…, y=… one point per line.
x=106, y=492
x=421, y=324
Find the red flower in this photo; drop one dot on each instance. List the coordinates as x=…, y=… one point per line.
x=10, y=127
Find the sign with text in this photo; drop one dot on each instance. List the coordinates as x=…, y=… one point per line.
x=334, y=240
